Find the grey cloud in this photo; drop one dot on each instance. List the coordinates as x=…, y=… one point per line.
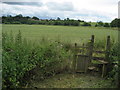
x=66, y=6
x=25, y=3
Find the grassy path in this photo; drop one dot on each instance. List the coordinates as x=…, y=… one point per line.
x=72, y=81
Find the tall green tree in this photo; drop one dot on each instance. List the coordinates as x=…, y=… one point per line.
x=106, y=25
x=115, y=23
x=100, y=23
x=58, y=18
x=35, y=18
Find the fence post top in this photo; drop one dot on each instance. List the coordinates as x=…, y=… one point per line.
x=75, y=44
x=108, y=36
x=93, y=35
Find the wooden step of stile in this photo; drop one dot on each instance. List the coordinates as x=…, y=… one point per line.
x=92, y=68
x=103, y=62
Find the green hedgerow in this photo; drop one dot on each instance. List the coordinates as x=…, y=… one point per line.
x=21, y=56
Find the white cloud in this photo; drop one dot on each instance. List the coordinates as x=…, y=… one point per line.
x=66, y=6
x=89, y=10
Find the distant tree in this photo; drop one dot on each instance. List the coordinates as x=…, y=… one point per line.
x=115, y=23
x=66, y=23
x=82, y=21
x=58, y=18
x=35, y=18
x=68, y=19
x=6, y=22
x=76, y=23
x=86, y=24
x=100, y=23
x=96, y=25
x=9, y=19
x=106, y=25
x=79, y=20
x=20, y=19
x=16, y=22
x=27, y=17
x=19, y=16
x=4, y=17
x=56, y=23
x=9, y=15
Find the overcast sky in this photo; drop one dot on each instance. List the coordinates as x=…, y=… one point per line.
x=88, y=10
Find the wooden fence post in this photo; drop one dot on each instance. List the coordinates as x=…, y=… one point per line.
x=91, y=48
x=75, y=55
x=107, y=49
x=107, y=54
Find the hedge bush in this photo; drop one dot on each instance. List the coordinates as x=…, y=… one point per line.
x=21, y=56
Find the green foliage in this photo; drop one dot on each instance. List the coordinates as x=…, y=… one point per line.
x=7, y=23
x=115, y=23
x=106, y=25
x=16, y=22
x=19, y=19
x=96, y=25
x=114, y=60
x=20, y=56
x=100, y=23
x=86, y=24
x=100, y=44
x=35, y=18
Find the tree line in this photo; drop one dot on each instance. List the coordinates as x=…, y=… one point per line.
x=20, y=19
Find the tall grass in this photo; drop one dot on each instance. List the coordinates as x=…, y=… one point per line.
x=21, y=57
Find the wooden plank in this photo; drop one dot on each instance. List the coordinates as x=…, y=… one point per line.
x=107, y=48
x=91, y=68
x=104, y=70
x=98, y=58
x=103, y=62
x=91, y=48
x=82, y=63
x=99, y=51
x=75, y=57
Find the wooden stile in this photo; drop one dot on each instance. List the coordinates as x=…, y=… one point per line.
x=82, y=61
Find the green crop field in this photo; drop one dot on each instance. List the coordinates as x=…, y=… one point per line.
x=71, y=34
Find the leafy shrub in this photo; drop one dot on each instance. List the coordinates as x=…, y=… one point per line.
x=6, y=22
x=86, y=24
x=20, y=56
x=114, y=59
x=100, y=23
x=106, y=25
x=115, y=23
x=16, y=22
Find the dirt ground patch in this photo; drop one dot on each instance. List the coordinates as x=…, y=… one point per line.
x=72, y=81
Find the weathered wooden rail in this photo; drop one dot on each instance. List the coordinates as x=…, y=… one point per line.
x=84, y=57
